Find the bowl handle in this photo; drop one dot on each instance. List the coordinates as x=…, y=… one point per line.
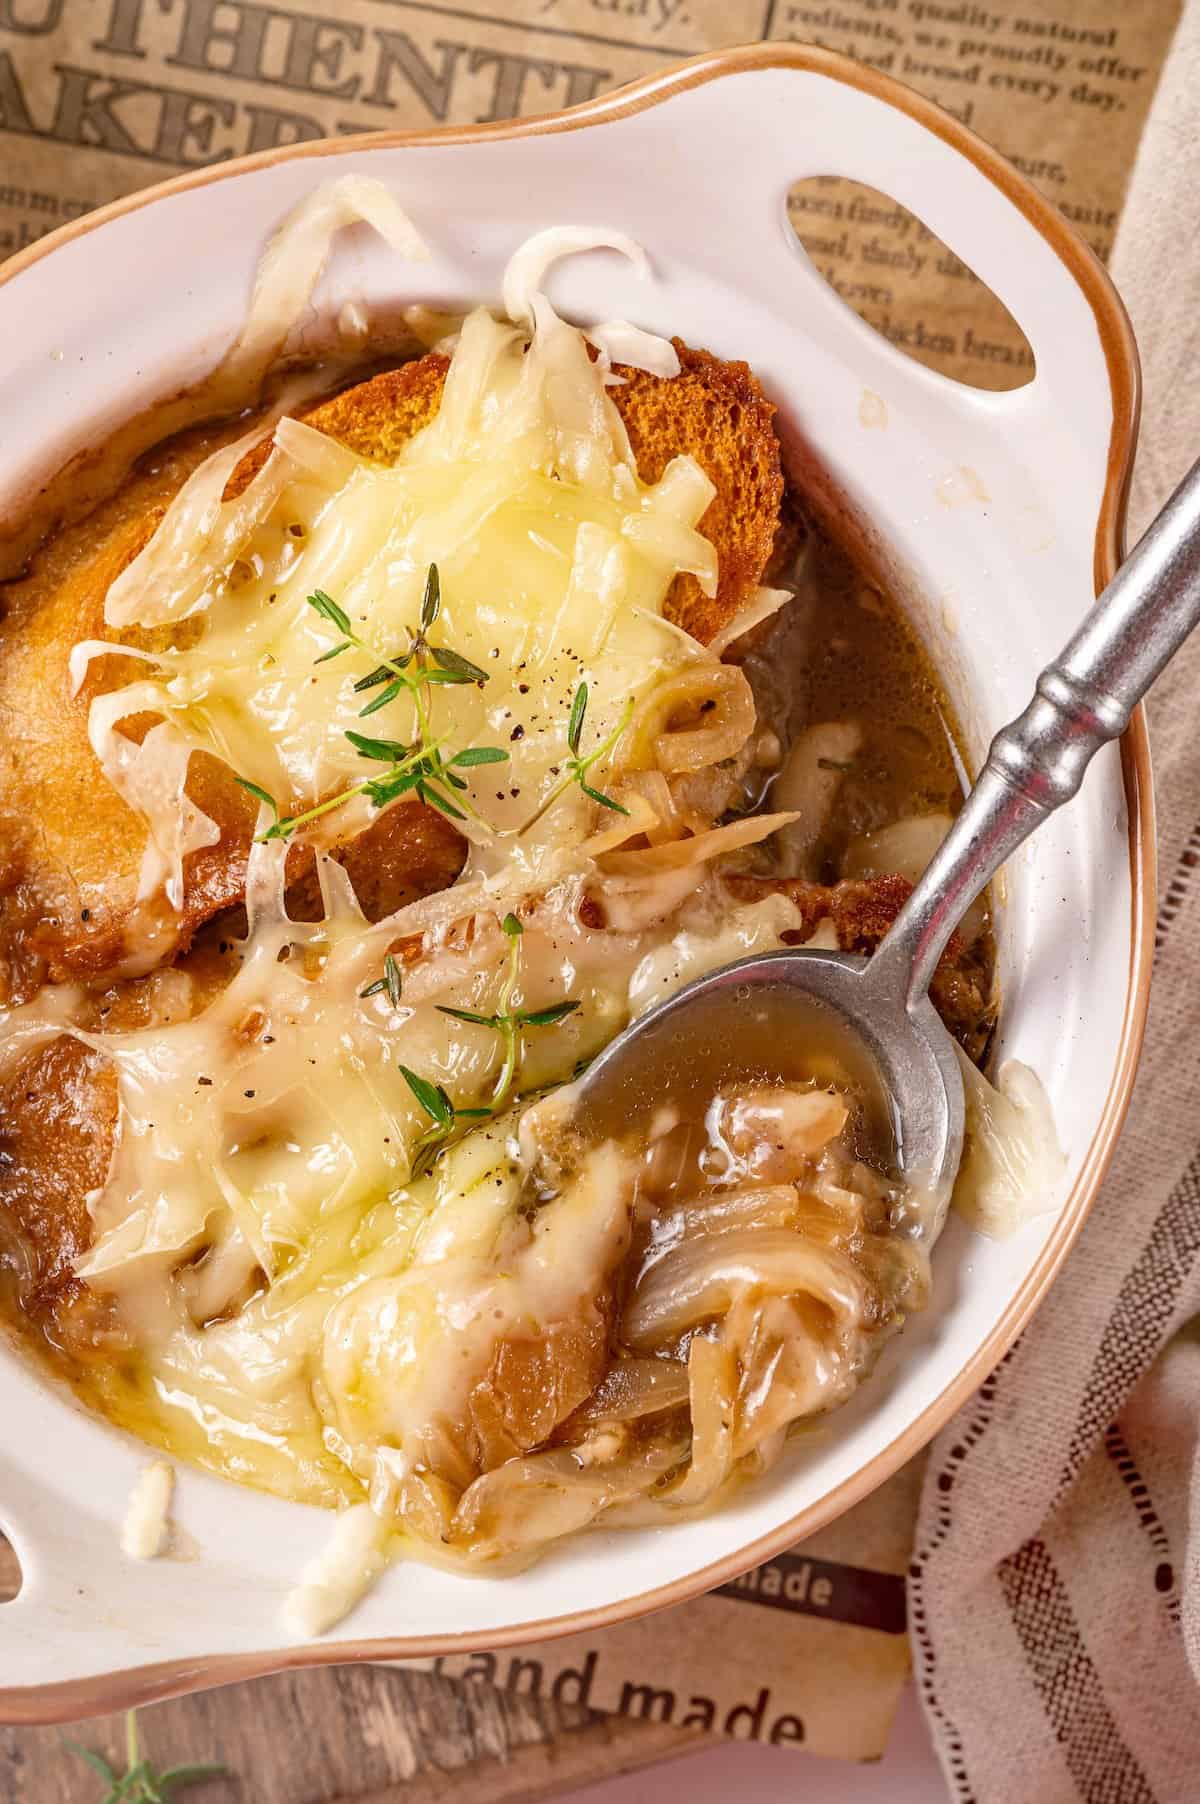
x=788, y=113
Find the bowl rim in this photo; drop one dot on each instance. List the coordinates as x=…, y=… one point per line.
x=59, y=1702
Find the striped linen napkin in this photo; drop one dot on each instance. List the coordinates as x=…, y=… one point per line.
x=1055, y=1588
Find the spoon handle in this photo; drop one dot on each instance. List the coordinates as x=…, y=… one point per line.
x=1036, y=763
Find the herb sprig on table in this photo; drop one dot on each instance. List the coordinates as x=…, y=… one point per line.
x=140, y=1783
x=446, y=1121
x=420, y=768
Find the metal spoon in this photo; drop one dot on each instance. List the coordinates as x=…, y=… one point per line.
x=1081, y=701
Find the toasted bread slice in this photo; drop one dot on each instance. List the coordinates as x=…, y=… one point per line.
x=717, y=413
x=713, y=411
x=71, y=850
x=58, y=1115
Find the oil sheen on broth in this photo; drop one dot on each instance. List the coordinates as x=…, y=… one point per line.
x=744, y=1040
x=843, y=652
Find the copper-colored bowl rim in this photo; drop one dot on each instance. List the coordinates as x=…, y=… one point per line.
x=146, y=1684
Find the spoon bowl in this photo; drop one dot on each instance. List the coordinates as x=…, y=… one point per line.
x=909, y=1054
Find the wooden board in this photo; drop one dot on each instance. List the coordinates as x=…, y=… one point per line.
x=345, y=1735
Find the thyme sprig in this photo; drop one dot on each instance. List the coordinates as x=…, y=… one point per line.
x=410, y=671
x=510, y=1023
x=445, y=1119
x=140, y=1783
x=578, y=766
x=408, y=767
x=423, y=770
x=420, y=767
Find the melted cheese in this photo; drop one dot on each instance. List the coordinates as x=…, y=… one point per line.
x=329, y=1309
x=305, y=1307
x=374, y=1278
x=1013, y=1165
x=309, y=1308
x=264, y=1152
x=292, y=263
x=402, y=1353
x=148, y=1518
x=283, y=1103
x=554, y=558
x=342, y=1572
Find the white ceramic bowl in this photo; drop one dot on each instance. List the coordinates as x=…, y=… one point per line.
x=106, y=316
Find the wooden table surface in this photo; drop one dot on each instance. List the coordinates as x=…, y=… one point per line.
x=343, y=1735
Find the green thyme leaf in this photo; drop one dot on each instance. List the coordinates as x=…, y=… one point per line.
x=466, y=1014
x=546, y=1017
x=282, y=826
x=386, y=751
x=480, y=754
x=390, y=981
x=190, y=1775
x=329, y=610
x=440, y=802
x=598, y=796
x=431, y=1097
x=418, y=767
x=387, y=789
x=256, y=789
x=431, y=604
x=578, y=766
x=384, y=674
x=510, y=1024
x=454, y=664
x=575, y=723
x=382, y=699
x=95, y=1761
x=140, y=1784
x=334, y=652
